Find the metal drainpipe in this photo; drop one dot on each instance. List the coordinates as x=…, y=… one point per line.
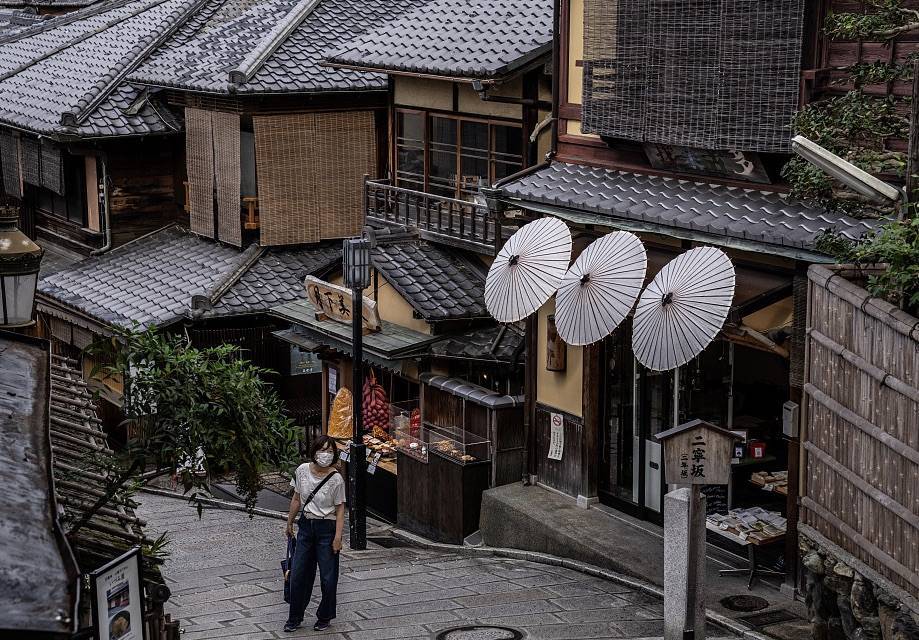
x=556, y=70
x=107, y=213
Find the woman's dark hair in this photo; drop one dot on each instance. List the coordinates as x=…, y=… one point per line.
x=321, y=443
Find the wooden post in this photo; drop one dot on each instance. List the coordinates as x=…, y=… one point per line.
x=912, y=157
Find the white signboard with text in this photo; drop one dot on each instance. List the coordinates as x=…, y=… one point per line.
x=118, y=599
x=557, y=436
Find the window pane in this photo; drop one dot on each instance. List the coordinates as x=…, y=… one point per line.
x=508, y=141
x=443, y=131
x=410, y=150
x=475, y=136
x=75, y=189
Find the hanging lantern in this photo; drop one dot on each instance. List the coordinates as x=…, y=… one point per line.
x=19, y=262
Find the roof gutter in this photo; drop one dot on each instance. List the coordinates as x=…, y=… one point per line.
x=282, y=30
x=410, y=74
x=107, y=217
x=751, y=246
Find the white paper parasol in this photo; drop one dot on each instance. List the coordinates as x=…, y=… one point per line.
x=683, y=308
x=600, y=288
x=528, y=269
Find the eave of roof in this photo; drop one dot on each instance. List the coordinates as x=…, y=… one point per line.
x=38, y=577
x=743, y=219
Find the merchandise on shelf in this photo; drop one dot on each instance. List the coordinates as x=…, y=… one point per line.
x=341, y=424
x=754, y=523
x=375, y=404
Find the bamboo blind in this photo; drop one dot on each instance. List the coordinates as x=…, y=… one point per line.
x=311, y=168
x=52, y=170
x=199, y=154
x=861, y=440
x=9, y=161
x=30, y=155
x=225, y=128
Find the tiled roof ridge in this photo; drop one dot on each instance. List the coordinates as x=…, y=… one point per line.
x=67, y=18
x=252, y=254
x=282, y=30
x=78, y=39
x=88, y=103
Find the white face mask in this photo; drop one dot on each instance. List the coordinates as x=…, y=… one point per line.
x=324, y=458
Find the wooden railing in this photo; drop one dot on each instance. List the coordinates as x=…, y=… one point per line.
x=860, y=427
x=468, y=225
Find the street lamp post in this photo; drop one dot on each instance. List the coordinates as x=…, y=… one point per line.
x=19, y=262
x=356, y=271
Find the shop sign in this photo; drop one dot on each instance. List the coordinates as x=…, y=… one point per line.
x=333, y=302
x=117, y=599
x=557, y=436
x=304, y=362
x=697, y=453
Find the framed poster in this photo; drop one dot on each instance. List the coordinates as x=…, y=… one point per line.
x=118, y=599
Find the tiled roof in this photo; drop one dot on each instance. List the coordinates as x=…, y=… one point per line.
x=13, y=21
x=458, y=38
x=269, y=46
x=37, y=575
x=503, y=343
x=716, y=210
x=65, y=75
x=275, y=278
x=80, y=449
x=439, y=284
x=149, y=281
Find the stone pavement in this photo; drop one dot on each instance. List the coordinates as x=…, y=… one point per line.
x=225, y=579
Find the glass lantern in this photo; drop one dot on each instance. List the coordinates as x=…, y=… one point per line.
x=19, y=262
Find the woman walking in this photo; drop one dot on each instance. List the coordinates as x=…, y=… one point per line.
x=318, y=505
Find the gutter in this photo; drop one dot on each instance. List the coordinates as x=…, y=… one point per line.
x=107, y=217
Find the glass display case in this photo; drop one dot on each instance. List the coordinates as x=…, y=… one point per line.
x=410, y=444
x=456, y=444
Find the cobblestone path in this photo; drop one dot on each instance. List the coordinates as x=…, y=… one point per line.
x=224, y=575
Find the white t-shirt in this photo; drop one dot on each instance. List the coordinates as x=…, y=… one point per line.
x=326, y=499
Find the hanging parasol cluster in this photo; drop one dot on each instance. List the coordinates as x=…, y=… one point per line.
x=678, y=314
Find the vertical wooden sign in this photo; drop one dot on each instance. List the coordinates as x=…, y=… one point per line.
x=556, y=349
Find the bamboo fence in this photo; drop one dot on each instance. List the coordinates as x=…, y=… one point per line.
x=860, y=471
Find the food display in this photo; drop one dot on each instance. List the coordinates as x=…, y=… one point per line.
x=448, y=447
x=375, y=404
x=410, y=444
x=341, y=424
x=384, y=446
x=754, y=524
x=456, y=444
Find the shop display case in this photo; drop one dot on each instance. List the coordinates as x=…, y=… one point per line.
x=456, y=444
x=409, y=444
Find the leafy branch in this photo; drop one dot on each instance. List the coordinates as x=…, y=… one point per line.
x=196, y=412
x=888, y=20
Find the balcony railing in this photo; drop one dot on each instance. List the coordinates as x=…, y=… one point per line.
x=446, y=220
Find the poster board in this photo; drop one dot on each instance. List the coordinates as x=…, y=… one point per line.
x=118, y=599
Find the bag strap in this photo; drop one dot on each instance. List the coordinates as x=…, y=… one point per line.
x=319, y=486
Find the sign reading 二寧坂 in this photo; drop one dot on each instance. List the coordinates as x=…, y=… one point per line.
x=697, y=453
x=334, y=302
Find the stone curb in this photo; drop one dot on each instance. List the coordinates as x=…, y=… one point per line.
x=729, y=624
x=723, y=621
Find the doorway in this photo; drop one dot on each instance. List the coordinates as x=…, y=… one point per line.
x=637, y=404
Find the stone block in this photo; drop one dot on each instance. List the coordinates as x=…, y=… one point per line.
x=677, y=582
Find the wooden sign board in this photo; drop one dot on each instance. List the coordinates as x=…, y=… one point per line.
x=334, y=302
x=556, y=349
x=697, y=453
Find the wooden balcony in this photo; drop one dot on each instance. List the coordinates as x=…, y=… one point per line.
x=458, y=223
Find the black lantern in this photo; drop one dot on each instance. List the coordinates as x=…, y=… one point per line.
x=19, y=262
x=355, y=259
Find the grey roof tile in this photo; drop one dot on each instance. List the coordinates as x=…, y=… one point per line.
x=459, y=38
x=15, y=20
x=201, y=55
x=489, y=344
x=733, y=212
x=148, y=295
x=422, y=272
x=275, y=278
x=72, y=64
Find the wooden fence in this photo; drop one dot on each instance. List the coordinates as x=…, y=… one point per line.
x=860, y=471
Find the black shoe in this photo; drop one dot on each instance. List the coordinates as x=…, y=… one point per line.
x=321, y=625
x=290, y=626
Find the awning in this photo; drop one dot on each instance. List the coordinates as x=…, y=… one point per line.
x=472, y=392
x=386, y=348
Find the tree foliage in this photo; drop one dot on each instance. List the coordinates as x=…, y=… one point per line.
x=895, y=245
x=887, y=19
x=182, y=401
